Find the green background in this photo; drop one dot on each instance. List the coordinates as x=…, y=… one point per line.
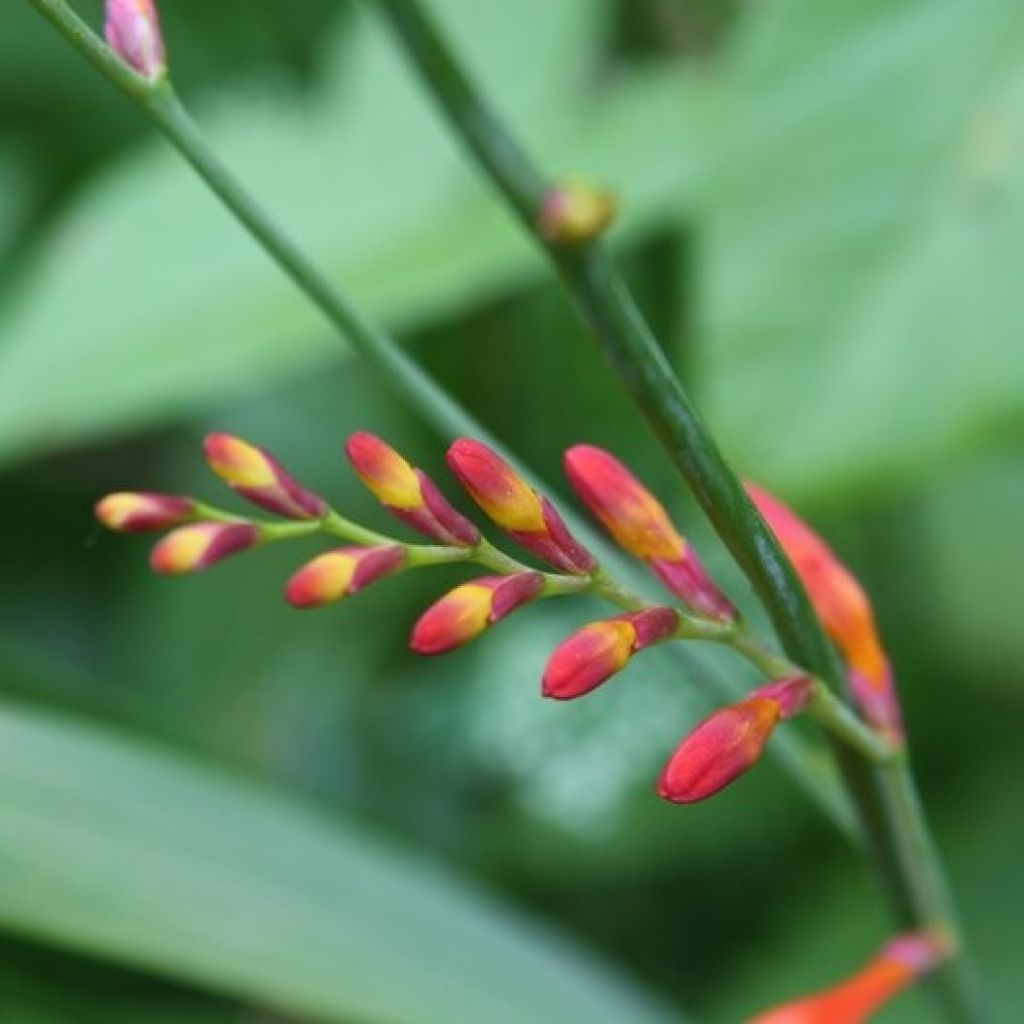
x=214, y=809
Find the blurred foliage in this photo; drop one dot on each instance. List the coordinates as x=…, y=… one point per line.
x=822, y=217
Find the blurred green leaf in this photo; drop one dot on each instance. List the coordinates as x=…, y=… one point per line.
x=864, y=239
x=114, y=848
x=148, y=299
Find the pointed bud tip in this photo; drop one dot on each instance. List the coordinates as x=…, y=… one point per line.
x=132, y=30
x=142, y=511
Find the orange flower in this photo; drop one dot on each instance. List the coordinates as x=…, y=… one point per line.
x=258, y=477
x=407, y=492
x=844, y=610
x=465, y=612
x=852, y=1001
x=640, y=525
x=200, y=545
x=340, y=573
x=596, y=652
x=526, y=516
x=141, y=511
x=730, y=741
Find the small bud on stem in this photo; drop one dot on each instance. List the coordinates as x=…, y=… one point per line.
x=132, y=30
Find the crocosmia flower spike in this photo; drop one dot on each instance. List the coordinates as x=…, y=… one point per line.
x=526, y=516
x=407, y=492
x=730, y=741
x=596, y=652
x=142, y=511
x=200, y=545
x=639, y=524
x=340, y=573
x=258, y=477
x=132, y=30
x=898, y=965
x=843, y=608
x=465, y=612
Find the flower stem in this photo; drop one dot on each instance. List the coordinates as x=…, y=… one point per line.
x=892, y=823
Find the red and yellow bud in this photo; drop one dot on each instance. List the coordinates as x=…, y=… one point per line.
x=258, y=477
x=792, y=694
x=575, y=212
x=639, y=524
x=342, y=572
x=724, y=746
x=844, y=610
x=596, y=652
x=142, y=511
x=854, y=1000
x=132, y=31
x=407, y=492
x=200, y=545
x=465, y=612
x=526, y=516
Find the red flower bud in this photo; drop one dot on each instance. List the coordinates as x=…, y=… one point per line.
x=575, y=212
x=258, y=477
x=852, y=1001
x=844, y=610
x=132, y=30
x=339, y=573
x=526, y=516
x=597, y=651
x=200, y=545
x=465, y=612
x=721, y=748
x=638, y=523
x=141, y=511
x=407, y=492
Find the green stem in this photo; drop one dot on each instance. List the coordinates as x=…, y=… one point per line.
x=899, y=840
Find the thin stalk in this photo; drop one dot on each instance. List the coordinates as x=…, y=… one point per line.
x=894, y=828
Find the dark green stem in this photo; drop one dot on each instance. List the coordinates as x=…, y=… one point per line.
x=894, y=828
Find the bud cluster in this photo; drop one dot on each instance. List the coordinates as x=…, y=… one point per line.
x=717, y=751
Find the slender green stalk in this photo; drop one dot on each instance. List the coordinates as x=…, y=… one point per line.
x=885, y=797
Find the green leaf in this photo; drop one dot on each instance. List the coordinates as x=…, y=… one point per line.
x=113, y=848
x=865, y=230
x=148, y=299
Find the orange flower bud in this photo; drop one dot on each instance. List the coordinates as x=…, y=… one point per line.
x=844, y=610
x=722, y=747
x=575, y=212
x=407, y=492
x=853, y=1001
x=141, y=511
x=597, y=651
x=639, y=524
x=526, y=516
x=200, y=545
x=132, y=30
x=465, y=612
x=339, y=573
x=258, y=477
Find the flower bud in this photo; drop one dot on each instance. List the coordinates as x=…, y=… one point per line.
x=407, y=492
x=844, y=610
x=339, y=573
x=200, y=545
x=258, y=477
x=465, y=612
x=575, y=212
x=142, y=511
x=854, y=1000
x=526, y=516
x=722, y=747
x=638, y=523
x=132, y=30
x=597, y=651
